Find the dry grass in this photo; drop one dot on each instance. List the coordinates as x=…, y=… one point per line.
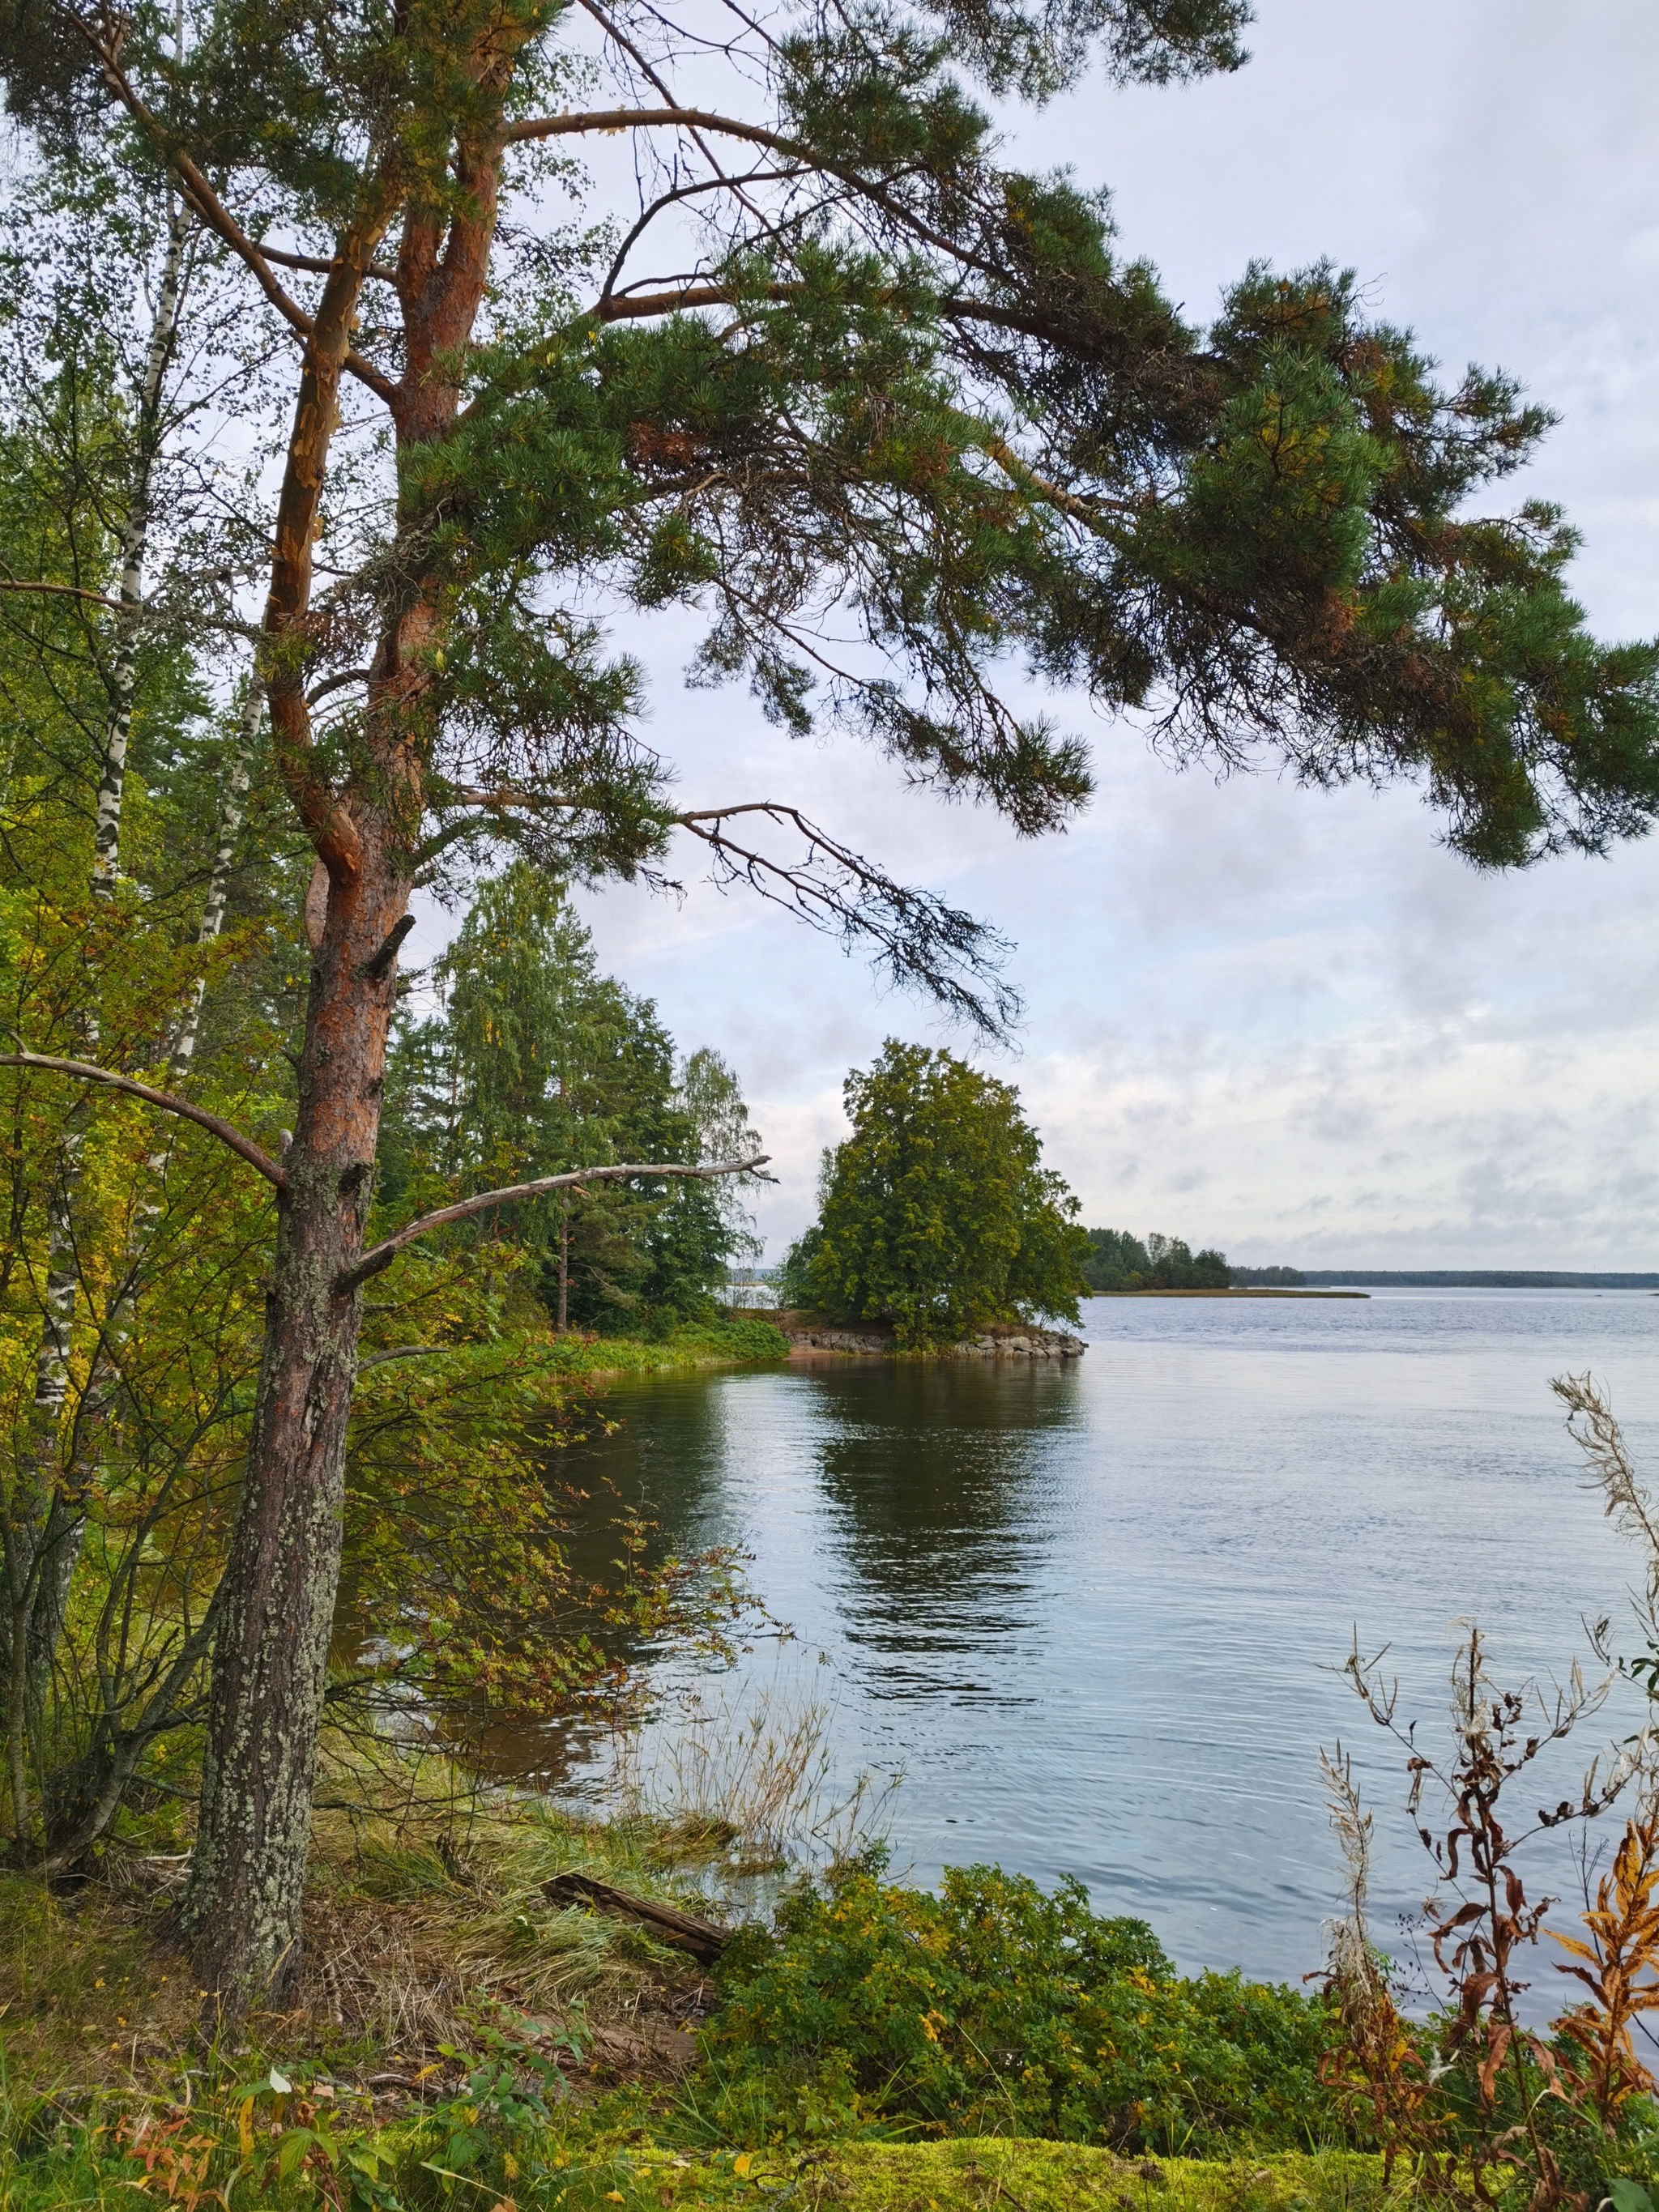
x=424, y=1917
x=749, y=1776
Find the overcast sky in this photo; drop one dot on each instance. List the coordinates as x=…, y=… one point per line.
x=1289, y=1023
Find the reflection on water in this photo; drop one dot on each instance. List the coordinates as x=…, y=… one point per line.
x=1094, y=1610
x=937, y=1568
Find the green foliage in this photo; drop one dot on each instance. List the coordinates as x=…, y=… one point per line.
x=690, y=1344
x=936, y=1213
x=537, y=1064
x=996, y=2008
x=1118, y=1260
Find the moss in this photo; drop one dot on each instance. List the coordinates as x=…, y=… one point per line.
x=1045, y=2177
x=973, y=2177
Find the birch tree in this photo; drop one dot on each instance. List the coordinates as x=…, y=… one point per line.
x=894, y=415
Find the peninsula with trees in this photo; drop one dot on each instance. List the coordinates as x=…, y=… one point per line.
x=938, y=1226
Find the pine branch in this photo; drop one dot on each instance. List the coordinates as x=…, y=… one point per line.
x=924, y=943
x=244, y=1147
x=207, y=204
x=374, y=1261
x=648, y=118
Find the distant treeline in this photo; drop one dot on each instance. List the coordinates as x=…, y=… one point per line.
x=1466, y=1278
x=1118, y=1260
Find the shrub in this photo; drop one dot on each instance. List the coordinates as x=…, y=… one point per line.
x=996, y=2008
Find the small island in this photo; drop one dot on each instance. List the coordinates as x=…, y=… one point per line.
x=939, y=1230
x=1118, y=1264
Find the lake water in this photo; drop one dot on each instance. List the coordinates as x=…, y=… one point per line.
x=1095, y=1613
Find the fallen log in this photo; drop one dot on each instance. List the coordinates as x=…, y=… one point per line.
x=683, y=1932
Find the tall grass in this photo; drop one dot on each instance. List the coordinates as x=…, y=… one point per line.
x=753, y=1771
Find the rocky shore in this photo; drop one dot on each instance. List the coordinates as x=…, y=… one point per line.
x=1000, y=1340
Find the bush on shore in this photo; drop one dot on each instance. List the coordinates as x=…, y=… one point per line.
x=994, y=2008
x=692, y=1344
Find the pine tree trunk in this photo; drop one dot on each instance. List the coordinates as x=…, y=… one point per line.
x=270, y=1655
x=242, y=1906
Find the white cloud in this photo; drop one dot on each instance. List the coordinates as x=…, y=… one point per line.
x=1289, y=1021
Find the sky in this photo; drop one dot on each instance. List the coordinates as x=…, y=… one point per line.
x=1283, y=1022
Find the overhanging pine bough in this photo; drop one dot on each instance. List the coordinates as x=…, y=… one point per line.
x=905, y=415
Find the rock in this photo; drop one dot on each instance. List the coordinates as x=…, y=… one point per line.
x=806, y=1333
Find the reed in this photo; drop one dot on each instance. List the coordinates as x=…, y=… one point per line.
x=750, y=1774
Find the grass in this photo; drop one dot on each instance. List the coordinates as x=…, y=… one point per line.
x=459, y=2041
x=693, y=1344
x=601, y=2155
x=416, y=1927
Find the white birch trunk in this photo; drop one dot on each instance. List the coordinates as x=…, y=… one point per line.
x=27, y=1536
x=134, y=546
x=66, y=1520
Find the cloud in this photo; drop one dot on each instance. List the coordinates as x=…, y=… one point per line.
x=1288, y=1021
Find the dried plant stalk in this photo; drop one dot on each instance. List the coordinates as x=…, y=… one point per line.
x=1619, y=1967
x=1375, y=2067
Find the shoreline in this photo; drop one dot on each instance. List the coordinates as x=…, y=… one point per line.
x=807, y=1335
x=1251, y=1291
x=476, y=2024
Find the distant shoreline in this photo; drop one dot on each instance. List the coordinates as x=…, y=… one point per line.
x=1251, y=1290
x=1481, y=1278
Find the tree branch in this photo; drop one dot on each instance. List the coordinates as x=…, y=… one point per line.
x=622, y=308
x=648, y=119
x=10, y=583
x=243, y=1147
x=381, y=1256
x=1080, y=510
x=314, y=265
x=924, y=943
x=211, y=209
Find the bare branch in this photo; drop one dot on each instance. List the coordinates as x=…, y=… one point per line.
x=314, y=265
x=625, y=307
x=1080, y=510
x=10, y=583
x=923, y=944
x=651, y=118
x=381, y=1256
x=680, y=193
x=243, y=1147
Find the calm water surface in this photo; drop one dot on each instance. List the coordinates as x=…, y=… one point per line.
x=1091, y=1612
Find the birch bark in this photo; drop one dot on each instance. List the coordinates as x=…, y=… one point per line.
x=26, y=1533
x=66, y=1520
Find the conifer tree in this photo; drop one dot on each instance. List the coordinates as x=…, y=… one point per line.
x=841, y=374
x=536, y=1063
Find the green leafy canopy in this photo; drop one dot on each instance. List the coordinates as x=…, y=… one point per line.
x=896, y=417
x=936, y=1213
